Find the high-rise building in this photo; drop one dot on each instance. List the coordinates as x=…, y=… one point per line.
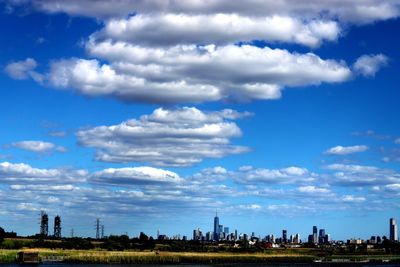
x=315, y=234
x=297, y=239
x=327, y=238
x=209, y=236
x=57, y=227
x=197, y=234
x=284, y=236
x=321, y=238
x=393, y=229
x=226, y=231
x=44, y=224
x=216, y=227
x=310, y=239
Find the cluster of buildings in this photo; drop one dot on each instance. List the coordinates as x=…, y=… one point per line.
x=320, y=237
x=377, y=240
x=222, y=233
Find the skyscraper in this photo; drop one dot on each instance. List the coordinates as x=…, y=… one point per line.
x=393, y=229
x=321, y=238
x=284, y=236
x=315, y=234
x=216, y=227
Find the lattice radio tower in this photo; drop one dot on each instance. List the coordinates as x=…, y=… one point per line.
x=57, y=227
x=97, y=228
x=44, y=223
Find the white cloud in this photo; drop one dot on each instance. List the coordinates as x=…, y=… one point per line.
x=359, y=12
x=345, y=150
x=393, y=187
x=397, y=141
x=310, y=189
x=249, y=207
x=192, y=73
x=136, y=175
x=22, y=70
x=358, y=175
x=180, y=137
x=291, y=210
x=173, y=29
x=353, y=199
x=351, y=168
x=27, y=207
x=20, y=172
x=38, y=146
x=39, y=187
x=369, y=65
x=211, y=175
x=288, y=175
x=157, y=192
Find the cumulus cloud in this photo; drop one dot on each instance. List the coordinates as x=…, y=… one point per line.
x=359, y=175
x=351, y=198
x=211, y=175
x=127, y=176
x=22, y=70
x=358, y=12
x=20, y=172
x=153, y=191
x=369, y=65
x=179, y=137
x=39, y=187
x=173, y=29
x=289, y=175
x=345, y=150
x=310, y=189
x=192, y=73
x=165, y=53
x=38, y=146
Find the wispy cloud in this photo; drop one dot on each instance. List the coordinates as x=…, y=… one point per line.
x=38, y=146
x=369, y=65
x=22, y=70
x=346, y=150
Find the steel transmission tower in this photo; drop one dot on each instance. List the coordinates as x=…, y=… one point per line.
x=97, y=228
x=57, y=227
x=44, y=223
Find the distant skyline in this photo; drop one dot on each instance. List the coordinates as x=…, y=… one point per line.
x=152, y=115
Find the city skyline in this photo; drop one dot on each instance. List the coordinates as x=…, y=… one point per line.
x=151, y=115
x=321, y=237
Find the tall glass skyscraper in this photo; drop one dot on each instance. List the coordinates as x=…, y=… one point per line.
x=315, y=234
x=393, y=229
x=284, y=236
x=216, y=227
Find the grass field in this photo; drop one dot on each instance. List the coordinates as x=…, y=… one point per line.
x=151, y=257
x=93, y=256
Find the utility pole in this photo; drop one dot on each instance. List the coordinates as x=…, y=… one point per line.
x=102, y=231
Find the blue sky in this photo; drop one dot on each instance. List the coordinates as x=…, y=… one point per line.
x=152, y=115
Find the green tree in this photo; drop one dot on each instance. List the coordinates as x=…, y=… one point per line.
x=2, y=234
